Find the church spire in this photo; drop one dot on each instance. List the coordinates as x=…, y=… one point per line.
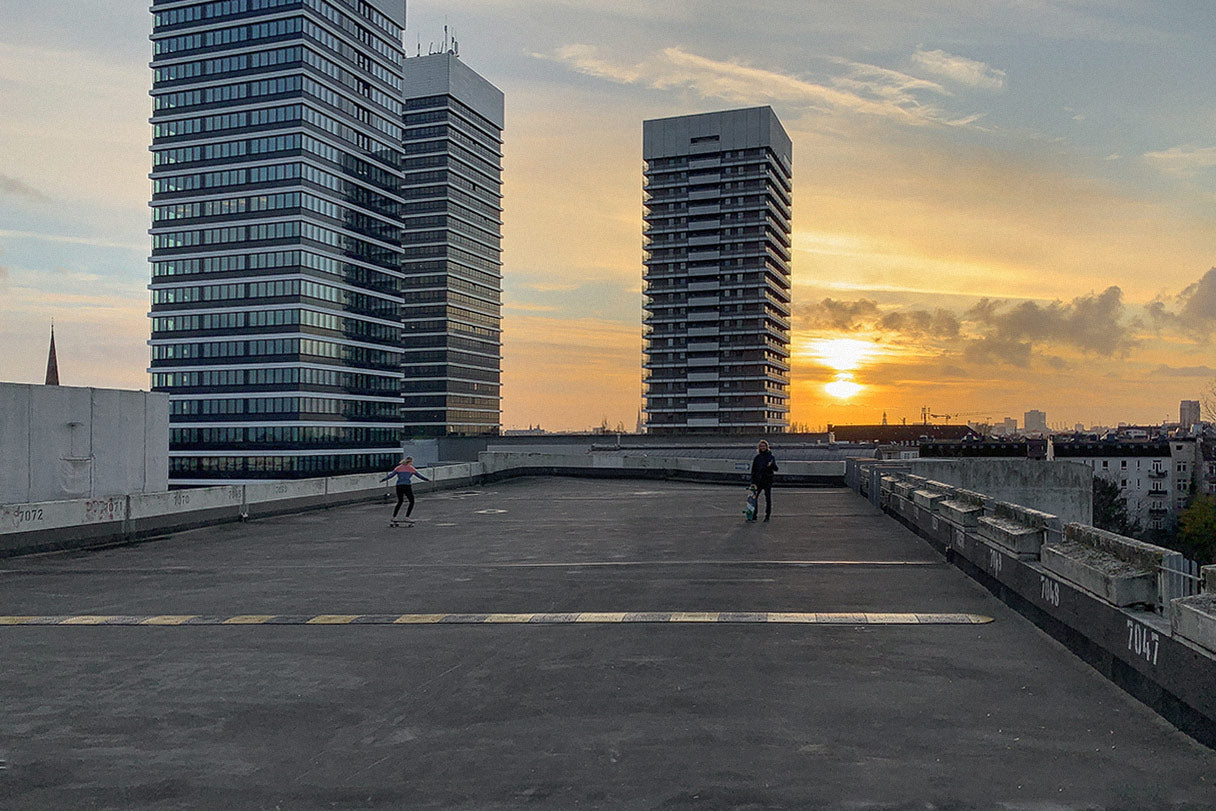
x=52, y=363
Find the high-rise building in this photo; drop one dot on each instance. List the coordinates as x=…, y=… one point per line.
x=1188, y=414
x=717, y=272
x=1034, y=420
x=453, y=235
x=276, y=235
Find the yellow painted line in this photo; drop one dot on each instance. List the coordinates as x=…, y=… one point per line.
x=840, y=618
x=891, y=619
x=418, y=619
x=333, y=619
x=249, y=619
x=510, y=618
x=588, y=617
x=169, y=619
x=603, y=616
x=791, y=617
x=84, y=620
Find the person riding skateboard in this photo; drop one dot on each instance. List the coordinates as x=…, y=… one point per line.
x=764, y=467
x=404, y=472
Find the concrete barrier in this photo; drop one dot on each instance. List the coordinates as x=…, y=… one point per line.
x=50, y=525
x=1123, y=571
x=276, y=498
x=1194, y=618
x=180, y=509
x=1167, y=662
x=640, y=465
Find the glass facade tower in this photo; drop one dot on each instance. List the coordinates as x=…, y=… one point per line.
x=717, y=273
x=453, y=234
x=276, y=235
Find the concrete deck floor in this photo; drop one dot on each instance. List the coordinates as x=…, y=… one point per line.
x=574, y=715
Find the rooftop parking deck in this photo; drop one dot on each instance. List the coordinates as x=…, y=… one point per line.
x=599, y=643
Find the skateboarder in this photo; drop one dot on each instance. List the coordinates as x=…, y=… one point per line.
x=404, y=472
x=764, y=466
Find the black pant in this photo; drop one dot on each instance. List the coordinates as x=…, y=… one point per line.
x=767, y=490
x=404, y=491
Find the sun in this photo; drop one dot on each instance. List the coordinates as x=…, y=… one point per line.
x=843, y=387
x=843, y=354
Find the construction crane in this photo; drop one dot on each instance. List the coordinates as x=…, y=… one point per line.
x=926, y=414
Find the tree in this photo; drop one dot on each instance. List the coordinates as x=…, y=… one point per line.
x=1197, y=530
x=1110, y=509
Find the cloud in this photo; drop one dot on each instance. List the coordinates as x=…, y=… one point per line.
x=851, y=87
x=1094, y=324
x=866, y=315
x=12, y=187
x=998, y=349
x=960, y=69
x=1183, y=371
x=846, y=316
x=922, y=323
x=1191, y=314
x=1198, y=304
x=1184, y=161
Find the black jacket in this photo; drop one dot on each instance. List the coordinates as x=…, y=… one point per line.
x=763, y=468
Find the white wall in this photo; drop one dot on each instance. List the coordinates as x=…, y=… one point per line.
x=67, y=442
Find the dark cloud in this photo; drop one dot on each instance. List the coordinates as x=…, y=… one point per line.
x=1197, y=303
x=12, y=187
x=865, y=314
x=922, y=323
x=950, y=370
x=998, y=349
x=1094, y=324
x=848, y=316
x=1183, y=371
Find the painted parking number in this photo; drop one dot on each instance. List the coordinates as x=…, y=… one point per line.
x=1049, y=590
x=1143, y=642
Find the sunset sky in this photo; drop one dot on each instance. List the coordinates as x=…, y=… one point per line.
x=998, y=206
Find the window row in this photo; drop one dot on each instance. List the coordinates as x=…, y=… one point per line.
x=228, y=92
x=363, y=409
x=228, y=64
x=219, y=236
x=228, y=36
x=451, y=104
x=354, y=355
x=254, y=319
x=344, y=271
x=289, y=376
x=228, y=121
x=276, y=288
x=217, y=8
x=236, y=466
x=293, y=434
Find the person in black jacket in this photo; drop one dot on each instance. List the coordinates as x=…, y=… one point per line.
x=764, y=466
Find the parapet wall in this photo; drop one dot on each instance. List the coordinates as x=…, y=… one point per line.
x=1064, y=489
x=1122, y=605
x=81, y=523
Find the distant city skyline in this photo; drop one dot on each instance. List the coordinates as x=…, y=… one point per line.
x=999, y=207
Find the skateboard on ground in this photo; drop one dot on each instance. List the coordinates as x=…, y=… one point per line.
x=404, y=522
x=752, y=495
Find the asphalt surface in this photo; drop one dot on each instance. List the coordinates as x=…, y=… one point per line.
x=661, y=714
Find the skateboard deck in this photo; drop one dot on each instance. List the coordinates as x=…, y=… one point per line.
x=750, y=511
x=401, y=523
